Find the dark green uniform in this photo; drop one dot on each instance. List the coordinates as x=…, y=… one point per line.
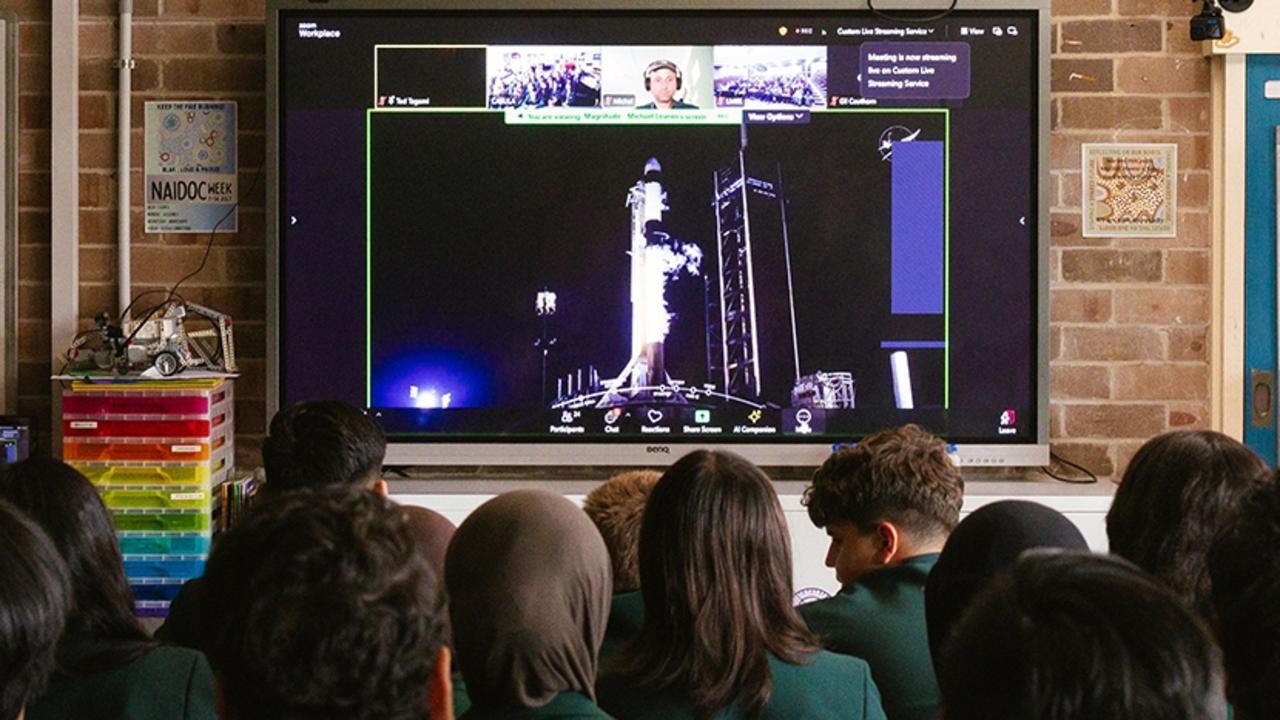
x=626, y=616
x=880, y=618
x=829, y=687
x=167, y=683
x=568, y=705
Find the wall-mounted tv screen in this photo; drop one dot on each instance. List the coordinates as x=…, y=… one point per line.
x=599, y=232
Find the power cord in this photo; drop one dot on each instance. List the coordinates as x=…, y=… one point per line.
x=911, y=19
x=1092, y=479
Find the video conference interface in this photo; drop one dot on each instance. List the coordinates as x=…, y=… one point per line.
x=595, y=227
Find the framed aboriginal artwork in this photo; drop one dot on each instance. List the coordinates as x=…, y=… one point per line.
x=1130, y=190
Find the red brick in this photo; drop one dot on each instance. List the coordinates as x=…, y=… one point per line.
x=1055, y=342
x=1189, y=416
x=34, y=112
x=1055, y=420
x=1106, y=265
x=97, y=263
x=1064, y=8
x=206, y=75
x=33, y=189
x=1141, y=8
x=1163, y=74
x=1162, y=306
x=1161, y=382
x=1079, y=306
x=34, y=10
x=1111, y=36
x=1094, y=457
x=166, y=264
x=1190, y=114
x=98, y=74
x=1188, y=344
x=97, y=111
x=242, y=39
x=251, y=339
x=1187, y=267
x=255, y=9
x=34, y=301
x=1070, y=74
x=33, y=378
x=1124, y=452
x=35, y=76
x=1079, y=382
x=1070, y=189
x=1194, y=189
x=1064, y=231
x=98, y=298
x=253, y=378
x=98, y=39
x=172, y=38
x=1177, y=37
x=33, y=227
x=1193, y=232
x=111, y=8
x=33, y=262
x=33, y=150
x=1110, y=344
x=1107, y=112
x=97, y=148
x=33, y=340
x=251, y=416
x=97, y=189
x=245, y=265
x=1114, y=420
x=33, y=38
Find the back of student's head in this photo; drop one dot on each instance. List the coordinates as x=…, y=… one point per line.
x=902, y=475
x=983, y=545
x=322, y=442
x=616, y=506
x=1178, y=491
x=35, y=596
x=1245, y=566
x=528, y=579
x=1076, y=636
x=715, y=572
x=67, y=507
x=320, y=605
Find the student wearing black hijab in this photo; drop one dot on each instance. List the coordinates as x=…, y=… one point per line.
x=529, y=585
x=986, y=542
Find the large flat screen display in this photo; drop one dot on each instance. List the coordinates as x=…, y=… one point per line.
x=532, y=234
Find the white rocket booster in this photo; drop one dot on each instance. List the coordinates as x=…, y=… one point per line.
x=649, y=318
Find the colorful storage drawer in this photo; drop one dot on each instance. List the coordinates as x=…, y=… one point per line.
x=164, y=566
x=142, y=403
x=172, y=521
x=154, y=543
x=105, y=476
x=94, y=449
x=140, y=428
x=177, y=498
x=157, y=452
x=155, y=589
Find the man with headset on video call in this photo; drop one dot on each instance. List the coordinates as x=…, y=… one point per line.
x=662, y=79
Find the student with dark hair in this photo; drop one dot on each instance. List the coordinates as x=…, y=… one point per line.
x=887, y=504
x=107, y=666
x=528, y=579
x=1178, y=491
x=720, y=636
x=985, y=543
x=616, y=506
x=1076, y=636
x=309, y=444
x=320, y=605
x=323, y=442
x=1244, y=565
x=35, y=597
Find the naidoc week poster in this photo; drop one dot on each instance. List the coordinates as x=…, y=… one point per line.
x=1130, y=190
x=190, y=173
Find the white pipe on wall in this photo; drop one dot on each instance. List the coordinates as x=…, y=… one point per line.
x=124, y=163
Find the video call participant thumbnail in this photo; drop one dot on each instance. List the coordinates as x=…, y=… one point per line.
x=663, y=80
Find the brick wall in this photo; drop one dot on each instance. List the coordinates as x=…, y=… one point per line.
x=1130, y=317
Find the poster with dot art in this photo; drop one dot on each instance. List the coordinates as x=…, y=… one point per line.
x=1129, y=190
x=190, y=171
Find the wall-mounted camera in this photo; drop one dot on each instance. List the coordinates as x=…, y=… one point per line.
x=1209, y=24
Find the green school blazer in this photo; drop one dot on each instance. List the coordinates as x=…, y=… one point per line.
x=828, y=687
x=626, y=616
x=167, y=683
x=566, y=705
x=880, y=618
